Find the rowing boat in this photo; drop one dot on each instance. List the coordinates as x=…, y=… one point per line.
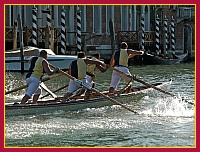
x=78, y=103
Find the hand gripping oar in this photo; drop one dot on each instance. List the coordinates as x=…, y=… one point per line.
x=147, y=84
x=46, y=89
x=25, y=86
x=93, y=89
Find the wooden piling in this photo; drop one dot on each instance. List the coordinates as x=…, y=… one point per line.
x=21, y=43
x=52, y=40
x=15, y=35
x=47, y=37
x=112, y=34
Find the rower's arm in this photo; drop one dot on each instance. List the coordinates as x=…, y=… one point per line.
x=112, y=61
x=132, y=53
x=47, y=68
x=103, y=68
x=70, y=69
x=97, y=62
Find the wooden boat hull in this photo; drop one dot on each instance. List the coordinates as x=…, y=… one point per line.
x=12, y=109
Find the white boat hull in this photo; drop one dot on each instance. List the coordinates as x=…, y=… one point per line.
x=13, y=59
x=13, y=64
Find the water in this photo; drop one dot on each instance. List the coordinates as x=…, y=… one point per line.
x=163, y=121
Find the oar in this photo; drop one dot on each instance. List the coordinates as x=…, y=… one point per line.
x=46, y=89
x=147, y=84
x=93, y=89
x=126, y=86
x=76, y=93
x=25, y=86
x=55, y=91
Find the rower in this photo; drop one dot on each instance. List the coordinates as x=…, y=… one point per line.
x=78, y=70
x=91, y=72
x=119, y=61
x=38, y=66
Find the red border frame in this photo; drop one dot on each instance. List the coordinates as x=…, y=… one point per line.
x=3, y=149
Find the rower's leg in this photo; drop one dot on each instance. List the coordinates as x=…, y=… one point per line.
x=33, y=88
x=114, y=81
x=67, y=95
x=35, y=98
x=111, y=90
x=71, y=88
x=80, y=91
x=37, y=95
x=87, y=94
x=25, y=99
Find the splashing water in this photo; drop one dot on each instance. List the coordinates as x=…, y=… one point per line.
x=13, y=98
x=171, y=106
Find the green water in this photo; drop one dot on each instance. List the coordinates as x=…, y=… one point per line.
x=163, y=120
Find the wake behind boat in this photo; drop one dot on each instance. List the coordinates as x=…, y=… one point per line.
x=78, y=103
x=13, y=59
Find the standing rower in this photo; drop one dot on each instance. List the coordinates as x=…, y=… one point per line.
x=120, y=61
x=78, y=70
x=38, y=66
x=91, y=72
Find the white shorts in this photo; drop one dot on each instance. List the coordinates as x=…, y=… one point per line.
x=73, y=86
x=89, y=79
x=33, y=86
x=116, y=76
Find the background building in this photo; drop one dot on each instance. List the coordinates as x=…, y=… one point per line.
x=102, y=27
